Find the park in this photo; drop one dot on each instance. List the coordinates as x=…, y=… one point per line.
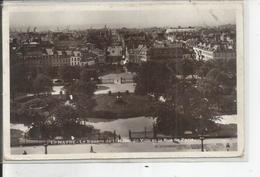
x=84, y=106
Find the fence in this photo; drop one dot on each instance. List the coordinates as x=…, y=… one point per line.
x=153, y=135
x=123, y=80
x=116, y=80
x=95, y=139
x=107, y=81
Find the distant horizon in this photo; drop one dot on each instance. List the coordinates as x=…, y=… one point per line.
x=189, y=16
x=99, y=26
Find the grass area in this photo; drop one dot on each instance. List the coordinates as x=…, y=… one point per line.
x=224, y=131
x=23, y=112
x=229, y=130
x=101, y=87
x=131, y=106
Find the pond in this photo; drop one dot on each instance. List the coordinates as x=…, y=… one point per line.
x=21, y=127
x=122, y=126
x=228, y=119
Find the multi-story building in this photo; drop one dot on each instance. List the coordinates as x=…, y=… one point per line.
x=89, y=57
x=114, y=54
x=165, y=51
x=100, y=55
x=47, y=57
x=171, y=37
x=55, y=58
x=180, y=29
x=75, y=60
x=33, y=57
x=131, y=39
x=137, y=55
x=216, y=52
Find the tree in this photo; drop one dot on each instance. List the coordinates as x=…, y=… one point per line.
x=67, y=123
x=42, y=84
x=40, y=130
x=216, y=84
x=64, y=122
x=19, y=79
x=66, y=114
x=165, y=116
x=86, y=83
x=82, y=91
x=185, y=108
x=28, y=116
x=68, y=73
x=51, y=72
x=204, y=67
x=186, y=67
x=152, y=78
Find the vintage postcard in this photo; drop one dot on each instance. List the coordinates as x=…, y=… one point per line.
x=117, y=80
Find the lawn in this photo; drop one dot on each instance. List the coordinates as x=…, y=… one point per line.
x=22, y=110
x=101, y=87
x=225, y=131
x=131, y=106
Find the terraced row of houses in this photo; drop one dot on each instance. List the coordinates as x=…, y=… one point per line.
x=38, y=57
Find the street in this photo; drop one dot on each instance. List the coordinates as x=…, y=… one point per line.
x=146, y=146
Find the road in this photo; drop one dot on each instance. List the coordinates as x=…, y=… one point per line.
x=146, y=146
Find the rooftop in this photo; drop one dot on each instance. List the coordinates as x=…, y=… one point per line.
x=215, y=47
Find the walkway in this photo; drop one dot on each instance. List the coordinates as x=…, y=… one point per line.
x=114, y=88
x=146, y=146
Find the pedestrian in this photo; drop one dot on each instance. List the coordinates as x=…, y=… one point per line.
x=92, y=150
x=227, y=146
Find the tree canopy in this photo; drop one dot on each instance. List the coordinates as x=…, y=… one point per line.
x=189, y=104
x=152, y=78
x=42, y=84
x=68, y=73
x=20, y=80
x=82, y=91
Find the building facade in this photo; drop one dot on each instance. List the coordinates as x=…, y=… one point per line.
x=114, y=54
x=162, y=52
x=214, y=53
x=137, y=55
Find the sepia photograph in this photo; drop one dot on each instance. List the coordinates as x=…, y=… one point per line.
x=123, y=80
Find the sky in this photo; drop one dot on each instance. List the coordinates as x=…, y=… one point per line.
x=118, y=19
